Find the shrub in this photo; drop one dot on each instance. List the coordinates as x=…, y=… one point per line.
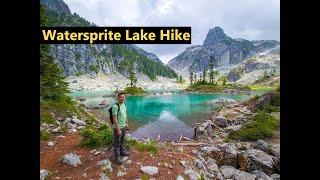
x=150, y=146
x=44, y=136
x=97, y=137
x=263, y=125
x=47, y=118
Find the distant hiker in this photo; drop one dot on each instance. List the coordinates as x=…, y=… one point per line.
x=120, y=125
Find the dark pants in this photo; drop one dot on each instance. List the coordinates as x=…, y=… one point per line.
x=118, y=141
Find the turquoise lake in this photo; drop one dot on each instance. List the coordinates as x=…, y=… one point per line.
x=166, y=114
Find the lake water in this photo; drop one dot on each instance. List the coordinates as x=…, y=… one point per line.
x=166, y=114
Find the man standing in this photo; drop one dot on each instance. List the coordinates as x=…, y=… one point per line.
x=120, y=119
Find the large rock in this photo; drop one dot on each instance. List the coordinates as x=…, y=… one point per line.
x=228, y=155
x=233, y=128
x=79, y=122
x=203, y=130
x=211, y=151
x=272, y=149
x=180, y=177
x=193, y=175
x=275, y=176
x=151, y=170
x=224, y=101
x=230, y=172
x=71, y=159
x=106, y=165
x=213, y=169
x=221, y=121
x=261, y=175
x=254, y=159
x=44, y=174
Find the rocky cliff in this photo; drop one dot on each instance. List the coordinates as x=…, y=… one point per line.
x=226, y=51
x=77, y=59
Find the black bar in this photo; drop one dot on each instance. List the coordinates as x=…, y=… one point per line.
x=177, y=35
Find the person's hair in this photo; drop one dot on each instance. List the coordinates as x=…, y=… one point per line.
x=120, y=93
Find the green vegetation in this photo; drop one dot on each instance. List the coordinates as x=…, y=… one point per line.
x=262, y=126
x=272, y=106
x=54, y=99
x=214, y=87
x=134, y=90
x=145, y=65
x=191, y=77
x=97, y=137
x=150, y=146
x=44, y=136
x=132, y=76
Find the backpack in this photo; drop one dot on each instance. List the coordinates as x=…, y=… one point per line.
x=110, y=112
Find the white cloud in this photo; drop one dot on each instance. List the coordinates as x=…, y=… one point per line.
x=248, y=19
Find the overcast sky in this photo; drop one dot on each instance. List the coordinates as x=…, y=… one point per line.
x=248, y=19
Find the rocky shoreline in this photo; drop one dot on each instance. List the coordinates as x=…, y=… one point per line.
x=117, y=81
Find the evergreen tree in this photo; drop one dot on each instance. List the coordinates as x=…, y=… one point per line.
x=211, y=73
x=180, y=79
x=204, y=74
x=191, y=77
x=132, y=75
x=195, y=77
x=52, y=81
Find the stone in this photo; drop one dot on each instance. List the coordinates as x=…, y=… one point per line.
x=97, y=153
x=180, y=177
x=275, y=176
x=233, y=128
x=254, y=159
x=180, y=149
x=193, y=175
x=44, y=174
x=224, y=101
x=151, y=170
x=79, y=122
x=199, y=164
x=262, y=145
x=107, y=168
x=104, y=177
x=209, y=150
x=220, y=121
x=213, y=169
x=120, y=173
x=71, y=159
x=230, y=172
x=183, y=163
x=261, y=175
x=50, y=143
x=228, y=155
x=128, y=162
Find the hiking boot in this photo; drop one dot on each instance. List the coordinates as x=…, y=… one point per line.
x=124, y=153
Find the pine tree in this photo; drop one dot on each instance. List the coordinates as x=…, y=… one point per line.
x=211, y=66
x=204, y=74
x=180, y=79
x=195, y=77
x=191, y=77
x=52, y=81
x=132, y=75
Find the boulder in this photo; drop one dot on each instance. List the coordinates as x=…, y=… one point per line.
x=220, y=121
x=261, y=175
x=180, y=177
x=151, y=170
x=193, y=175
x=228, y=155
x=199, y=164
x=71, y=159
x=106, y=165
x=224, y=101
x=275, y=176
x=44, y=174
x=211, y=151
x=254, y=159
x=79, y=122
x=213, y=171
x=230, y=172
x=233, y=128
x=203, y=130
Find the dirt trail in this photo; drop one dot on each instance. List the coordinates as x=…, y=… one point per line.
x=50, y=155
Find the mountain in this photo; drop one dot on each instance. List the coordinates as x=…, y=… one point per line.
x=226, y=51
x=77, y=59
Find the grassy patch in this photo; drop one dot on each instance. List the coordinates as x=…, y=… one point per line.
x=47, y=118
x=213, y=87
x=150, y=146
x=263, y=125
x=134, y=90
x=44, y=136
x=262, y=88
x=97, y=137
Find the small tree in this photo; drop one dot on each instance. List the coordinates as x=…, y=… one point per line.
x=195, y=77
x=204, y=74
x=191, y=77
x=223, y=80
x=132, y=75
x=180, y=79
x=211, y=66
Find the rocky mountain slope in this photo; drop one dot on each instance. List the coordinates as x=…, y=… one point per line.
x=226, y=51
x=77, y=59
